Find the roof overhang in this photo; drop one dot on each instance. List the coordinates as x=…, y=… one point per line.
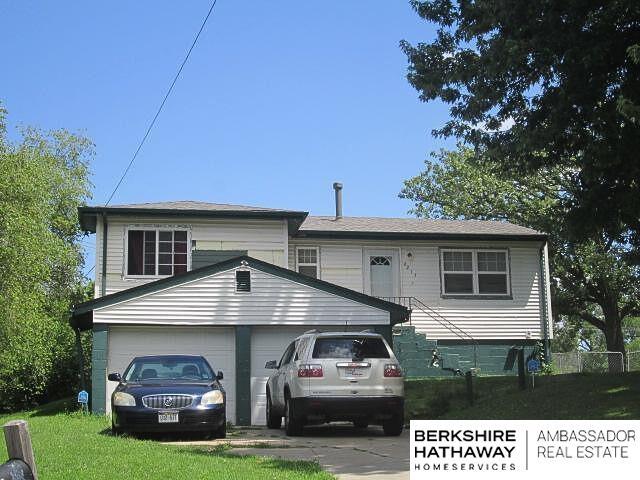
x=89, y=215
x=82, y=314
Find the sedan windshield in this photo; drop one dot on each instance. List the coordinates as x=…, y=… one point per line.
x=168, y=369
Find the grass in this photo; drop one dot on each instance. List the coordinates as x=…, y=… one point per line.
x=576, y=396
x=72, y=446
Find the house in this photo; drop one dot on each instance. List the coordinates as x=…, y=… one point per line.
x=237, y=284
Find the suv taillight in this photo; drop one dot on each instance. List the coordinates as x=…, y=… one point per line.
x=392, y=370
x=310, y=371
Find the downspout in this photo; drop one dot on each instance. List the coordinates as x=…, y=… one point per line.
x=545, y=313
x=103, y=282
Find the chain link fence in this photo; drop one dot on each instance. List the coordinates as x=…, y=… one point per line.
x=633, y=361
x=591, y=362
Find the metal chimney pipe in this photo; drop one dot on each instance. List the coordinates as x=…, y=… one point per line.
x=338, y=188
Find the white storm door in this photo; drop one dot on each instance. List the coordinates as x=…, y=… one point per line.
x=381, y=272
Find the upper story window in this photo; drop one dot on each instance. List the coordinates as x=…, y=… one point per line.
x=474, y=272
x=156, y=252
x=307, y=261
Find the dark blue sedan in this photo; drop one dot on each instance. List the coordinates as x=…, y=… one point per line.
x=169, y=393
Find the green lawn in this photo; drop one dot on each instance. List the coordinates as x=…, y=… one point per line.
x=579, y=396
x=72, y=446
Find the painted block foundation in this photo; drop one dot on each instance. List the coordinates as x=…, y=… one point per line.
x=492, y=357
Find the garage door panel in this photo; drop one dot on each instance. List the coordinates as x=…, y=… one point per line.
x=216, y=344
x=267, y=343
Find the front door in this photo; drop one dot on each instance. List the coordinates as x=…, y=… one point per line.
x=381, y=271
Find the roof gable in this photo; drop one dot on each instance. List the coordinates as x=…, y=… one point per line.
x=82, y=314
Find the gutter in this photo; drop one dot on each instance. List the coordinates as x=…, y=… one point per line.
x=543, y=297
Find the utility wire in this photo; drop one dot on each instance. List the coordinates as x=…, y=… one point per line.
x=175, y=79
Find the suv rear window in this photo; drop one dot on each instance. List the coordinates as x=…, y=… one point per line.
x=350, y=347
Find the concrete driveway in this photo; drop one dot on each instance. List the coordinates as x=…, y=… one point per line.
x=348, y=453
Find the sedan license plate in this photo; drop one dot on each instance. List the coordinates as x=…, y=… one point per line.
x=168, y=417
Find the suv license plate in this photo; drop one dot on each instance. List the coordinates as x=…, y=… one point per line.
x=168, y=417
x=354, y=372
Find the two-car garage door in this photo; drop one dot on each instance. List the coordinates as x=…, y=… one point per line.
x=216, y=344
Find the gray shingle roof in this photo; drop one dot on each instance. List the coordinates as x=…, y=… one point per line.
x=317, y=225
x=88, y=215
x=187, y=205
x=413, y=226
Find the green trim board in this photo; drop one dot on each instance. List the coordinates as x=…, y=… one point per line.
x=82, y=316
x=99, y=368
x=243, y=374
x=204, y=258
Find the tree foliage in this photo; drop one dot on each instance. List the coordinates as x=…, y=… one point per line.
x=44, y=177
x=560, y=77
x=594, y=280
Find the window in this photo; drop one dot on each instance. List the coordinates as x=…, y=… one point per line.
x=156, y=252
x=170, y=368
x=492, y=272
x=243, y=281
x=307, y=261
x=474, y=272
x=288, y=353
x=350, y=347
x=457, y=267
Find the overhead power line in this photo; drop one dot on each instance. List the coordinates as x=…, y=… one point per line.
x=155, y=117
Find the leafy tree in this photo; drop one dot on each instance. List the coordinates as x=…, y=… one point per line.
x=561, y=77
x=593, y=280
x=43, y=179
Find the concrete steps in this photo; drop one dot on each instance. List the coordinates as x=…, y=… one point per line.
x=414, y=352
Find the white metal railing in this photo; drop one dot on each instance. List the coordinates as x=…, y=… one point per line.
x=412, y=303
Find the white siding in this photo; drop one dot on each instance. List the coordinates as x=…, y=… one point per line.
x=263, y=239
x=342, y=266
x=216, y=344
x=419, y=276
x=213, y=300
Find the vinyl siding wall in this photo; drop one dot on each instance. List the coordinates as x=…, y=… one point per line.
x=213, y=300
x=263, y=239
x=341, y=262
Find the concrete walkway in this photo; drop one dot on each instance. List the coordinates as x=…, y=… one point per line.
x=348, y=453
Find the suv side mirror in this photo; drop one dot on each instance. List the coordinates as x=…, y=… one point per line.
x=271, y=365
x=114, y=377
x=219, y=375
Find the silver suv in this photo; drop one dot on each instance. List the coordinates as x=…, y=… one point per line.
x=336, y=376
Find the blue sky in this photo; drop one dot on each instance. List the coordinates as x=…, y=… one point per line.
x=278, y=100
